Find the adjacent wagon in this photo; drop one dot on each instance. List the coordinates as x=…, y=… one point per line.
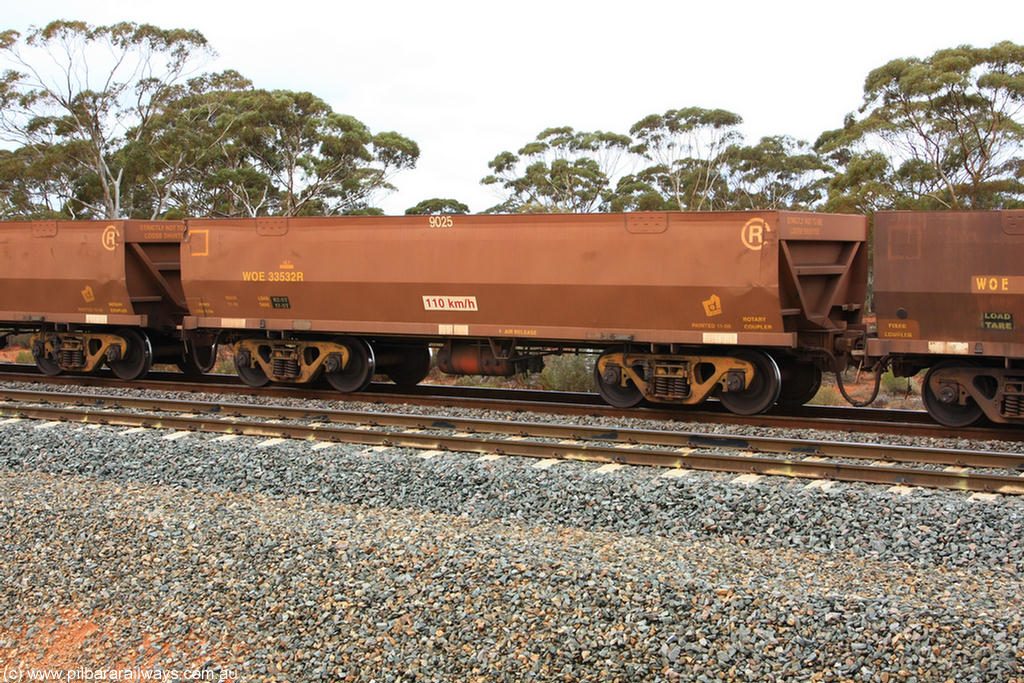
x=94, y=292
x=949, y=295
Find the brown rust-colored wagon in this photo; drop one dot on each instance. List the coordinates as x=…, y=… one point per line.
x=94, y=292
x=949, y=295
x=744, y=305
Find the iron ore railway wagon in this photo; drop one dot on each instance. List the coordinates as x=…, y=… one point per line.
x=748, y=307
x=949, y=296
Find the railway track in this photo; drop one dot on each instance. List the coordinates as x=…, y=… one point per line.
x=967, y=470
x=829, y=418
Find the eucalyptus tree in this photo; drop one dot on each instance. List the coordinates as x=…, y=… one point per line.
x=687, y=149
x=437, y=206
x=779, y=172
x=562, y=170
x=949, y=127
x=179, y=170
x=74, y=93
x=316, y=160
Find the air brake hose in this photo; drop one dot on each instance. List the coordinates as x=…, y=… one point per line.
x=879, y=367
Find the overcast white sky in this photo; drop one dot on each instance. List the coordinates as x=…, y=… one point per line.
x=467, y=80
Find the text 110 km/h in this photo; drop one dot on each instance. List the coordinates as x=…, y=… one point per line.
x=449, y=303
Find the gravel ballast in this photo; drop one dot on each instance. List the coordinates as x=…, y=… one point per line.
x=281, y=562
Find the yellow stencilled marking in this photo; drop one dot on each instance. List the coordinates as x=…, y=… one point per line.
x=108, y=238
x=441, y=221
x=712, y=306
x=899, y=329
x=753, y=233
x=270, y=442
x=997, y=284
x=757, y=322
x=273, y=276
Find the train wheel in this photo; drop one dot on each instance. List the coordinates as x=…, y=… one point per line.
x=609, y=385
x=358, y=372
x=800, y=382
x=249, y=372
x=951, y=414
x=414, y=367
x=137, y=360
x=764, y=388
x=47, y=366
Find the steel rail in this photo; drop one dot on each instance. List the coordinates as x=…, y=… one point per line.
x=866, y=420
x=685, y=458
x=675, y=439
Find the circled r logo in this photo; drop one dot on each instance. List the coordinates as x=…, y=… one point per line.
x=109, y=237
x=753, y=233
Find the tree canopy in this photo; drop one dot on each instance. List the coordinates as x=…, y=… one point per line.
x=943, y=132
x=121, y=121
x=437, y=206
x=115, y=121
x=562, y=170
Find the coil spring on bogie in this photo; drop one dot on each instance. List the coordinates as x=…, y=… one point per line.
x=671, y=386
x=286, y=367
x=1013, y=405
x=72, y=358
